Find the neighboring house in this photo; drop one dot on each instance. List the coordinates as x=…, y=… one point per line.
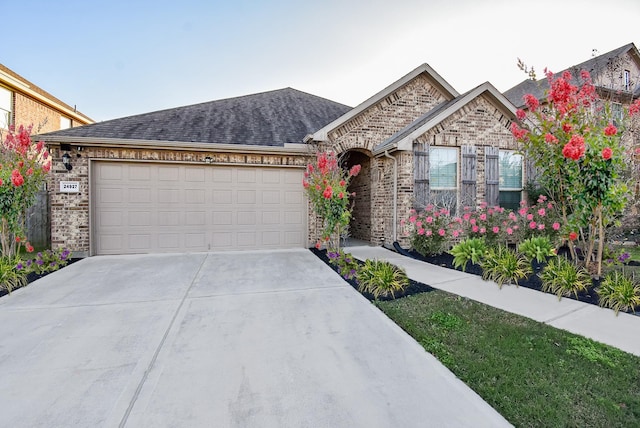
x=23, y=103
x=221, y=175
x=228, y=174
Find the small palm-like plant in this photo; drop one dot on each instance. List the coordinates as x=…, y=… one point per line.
x=470, y=250
x=538, y=248
x=563, y=278
x=12, y=274
x=619, y=292
x=381, y=278
x=504, y=266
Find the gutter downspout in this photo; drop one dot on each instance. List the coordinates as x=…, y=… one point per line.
x=395, y=194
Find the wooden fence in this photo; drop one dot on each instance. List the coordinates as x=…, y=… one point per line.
x=38, y=225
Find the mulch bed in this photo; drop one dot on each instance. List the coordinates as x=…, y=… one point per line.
x=446, y=260
x=414, y=287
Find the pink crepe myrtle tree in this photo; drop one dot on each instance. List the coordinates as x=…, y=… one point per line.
x=23, y=168
x=573, y=142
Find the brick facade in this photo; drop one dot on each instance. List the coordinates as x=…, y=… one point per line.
x=480, y=123
x=70, y=212
x=34, y=106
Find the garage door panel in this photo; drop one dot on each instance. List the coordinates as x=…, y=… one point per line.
x=147, y=207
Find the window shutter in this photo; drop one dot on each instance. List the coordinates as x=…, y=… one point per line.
x=492, y=175
x=421, y=175
x=469, y=176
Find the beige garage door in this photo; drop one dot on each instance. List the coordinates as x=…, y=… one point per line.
x=153, y=208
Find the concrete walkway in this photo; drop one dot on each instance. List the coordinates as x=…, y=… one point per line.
x=581, y=318
x=256, y=339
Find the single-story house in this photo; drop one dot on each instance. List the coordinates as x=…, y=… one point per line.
x=228, y=174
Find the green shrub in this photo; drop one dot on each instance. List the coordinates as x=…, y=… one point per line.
x=503, y=266
x=12, y=275
x=470, y=250
x=381, y=278
x=537, y=247
x=563, y=278
x=619, y=291
x=347, y=265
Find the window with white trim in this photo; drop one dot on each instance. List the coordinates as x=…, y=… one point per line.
x=443, y=177
x=6, y=103
x=510, y=166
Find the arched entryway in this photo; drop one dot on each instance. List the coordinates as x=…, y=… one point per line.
x=360, y=226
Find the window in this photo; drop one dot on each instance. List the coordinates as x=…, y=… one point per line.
x=65, y=122
x=627, y=80
x=510, y=179
x=6, y=98
x=443, y=177
x=617, y=113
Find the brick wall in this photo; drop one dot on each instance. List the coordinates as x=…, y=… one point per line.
x=479, y=124
x=31, y=112
x=386, y=117
x=70, y=211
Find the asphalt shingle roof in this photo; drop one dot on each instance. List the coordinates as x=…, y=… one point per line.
x=269, y=118
x=539, y=87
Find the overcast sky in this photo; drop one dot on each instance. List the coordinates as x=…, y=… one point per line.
x=117, y=58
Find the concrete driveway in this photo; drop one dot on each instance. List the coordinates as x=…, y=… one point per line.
x=259, y=339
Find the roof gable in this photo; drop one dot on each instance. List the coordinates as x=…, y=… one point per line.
x=596, y=66
x=403, y=140
x=442, y=85
x=271, y=118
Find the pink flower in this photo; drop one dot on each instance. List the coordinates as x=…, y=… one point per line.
x=483, y=217
x=483, y=230
x=475, y=229
x=531, y=102
x=606, y=153
x=512, y=216
x=355, y=170
x=522, y=212
x=472, y=221
x=441, y=232
x=550, y=138
x=421, y=231
x=496, y=229
x=529, y=217
x=541, y=226
x=520, y=114
x=328, y=192
x=456, y=233
x=418, y=224
x=541, y=212
x=341, y=195
x=429, y=219
x=402, y=222
x=429, y=232
x=466, y=216
x=412, y=219
x=610, y=130
x=556, y=226
x=509, y=231
x=549, y=205
x=533, y=225
x=573, y=236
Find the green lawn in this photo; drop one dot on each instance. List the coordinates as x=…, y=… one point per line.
x=533, y=374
